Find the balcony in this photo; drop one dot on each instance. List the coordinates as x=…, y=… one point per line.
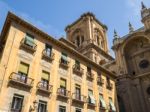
x=48, y=56
x=78, y=70
x=63, y=93
x=109, y=86
x=20, y=80
x=100, y=81
x=64, y=63
x=91, y=103
x=90, y=75
x=78, y=98
x=44, y=88
x=101, y=107
x=15, y=110
x=28, y=45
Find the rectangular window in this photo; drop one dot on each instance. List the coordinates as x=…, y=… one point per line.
x=17, y=103
x=29, y=40
x=108, y=81
x=78, y=92
x=77, y=63
x=62, y=83
x=45, y=79
x=42, y=107
x=102, y=102
x=78, y=110
x=89, y=70
x=112, y=106
x=62, y=87
x=48, y=50
x=91, y=97
x=62, y=109
x=23, y=72
x=64, y=58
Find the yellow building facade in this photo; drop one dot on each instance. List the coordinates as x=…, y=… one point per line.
x=42, y=74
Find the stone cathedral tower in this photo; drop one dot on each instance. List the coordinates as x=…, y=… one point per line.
x=89, y=36
x=132, y=62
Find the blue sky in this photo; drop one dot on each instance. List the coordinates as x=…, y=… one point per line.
x=52, y=16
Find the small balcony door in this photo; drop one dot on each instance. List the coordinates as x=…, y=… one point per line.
x=48, y=50
x=63, y=87
x=22, y=72
x=78, y=92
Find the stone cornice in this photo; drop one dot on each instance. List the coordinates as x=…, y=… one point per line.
x=85, y=15
x=91, y=45
x=13, y=18
x=68, y=42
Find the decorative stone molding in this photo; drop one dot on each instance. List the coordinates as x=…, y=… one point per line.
x=62, y=72
x=77, y=79
x=25, y=56
x=46, y=64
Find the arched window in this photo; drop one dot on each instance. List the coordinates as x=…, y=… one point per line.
x=98, y=40
x=78, y=41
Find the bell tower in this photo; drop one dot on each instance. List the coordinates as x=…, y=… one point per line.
x=89, y=36
x=145, y=14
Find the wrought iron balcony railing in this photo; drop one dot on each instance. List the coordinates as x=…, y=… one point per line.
x=100, y=80
x=48, y=55
x=101, y=107
x=44, y=87
x=78, y=98
x=32, y=47
x=109, y=85
x=78, y=70
x=21, y=79
x=90, y=103
x=62, y=92
x=90, y=75
x=64, y=63
x=15, y=110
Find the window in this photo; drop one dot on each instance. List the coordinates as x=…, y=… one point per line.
x=42, y=107
x=77, y=63
x=78, y=41
x=89, y=70
x=108, y=80
x=29, y=40
x=64, y=58
x=48, y=50
x=98, y=40
x=63, y=87
x=45, y=80
x=102, y=102
x=78, y=92
x=17, y=103
x=78, y=110
x=91, y=97
x=111, y=104
x=62, y=109
x=23, y=72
